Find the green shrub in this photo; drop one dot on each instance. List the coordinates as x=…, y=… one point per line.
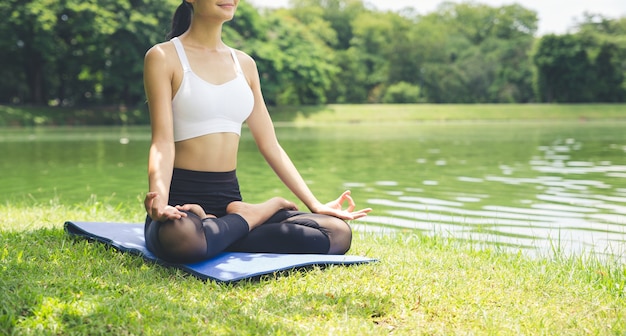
x=402, y=93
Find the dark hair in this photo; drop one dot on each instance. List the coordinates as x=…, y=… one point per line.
x=181, y=20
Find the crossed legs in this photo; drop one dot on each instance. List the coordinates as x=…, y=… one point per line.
x=270, y=227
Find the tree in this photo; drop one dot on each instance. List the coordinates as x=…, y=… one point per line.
x=28, y=48
x=609, y=75
x=370, y=46
x=295, y=65
x=139, y=25
x=564, y=71
x=480, y=53
x=339, y=13
x=308, y=64
x=605, y=42
x=335, y=28
x=76, y=52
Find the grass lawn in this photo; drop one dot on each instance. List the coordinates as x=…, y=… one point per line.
x=445, y=112
x=54, y=284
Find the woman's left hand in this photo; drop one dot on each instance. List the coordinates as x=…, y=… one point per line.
x=335, y=208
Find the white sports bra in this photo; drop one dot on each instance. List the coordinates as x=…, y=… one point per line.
x=201, y=108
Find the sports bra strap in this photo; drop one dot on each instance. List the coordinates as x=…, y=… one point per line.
x=237, y=65
x=185, y=62
x=181, y=54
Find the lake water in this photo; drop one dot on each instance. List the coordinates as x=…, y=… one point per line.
x=538, y=186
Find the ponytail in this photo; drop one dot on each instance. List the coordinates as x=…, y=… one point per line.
x=181, y=20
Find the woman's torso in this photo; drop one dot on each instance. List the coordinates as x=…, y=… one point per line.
x=211, y=98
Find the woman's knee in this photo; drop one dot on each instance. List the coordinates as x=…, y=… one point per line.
x=182, y=239
x=340, y=235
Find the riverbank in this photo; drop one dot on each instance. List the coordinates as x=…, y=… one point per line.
x=21, y=116
x=55, y=284
x=443, y=112
x=31, y=116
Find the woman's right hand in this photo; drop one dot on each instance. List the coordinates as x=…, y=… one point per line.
x=196, y=209
x=158, y=210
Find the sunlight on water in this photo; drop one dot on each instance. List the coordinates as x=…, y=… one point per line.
x=571, y=210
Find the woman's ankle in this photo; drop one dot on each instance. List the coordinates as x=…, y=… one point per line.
x=257, y=214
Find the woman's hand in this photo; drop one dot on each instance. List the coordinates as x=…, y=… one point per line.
x=159, y=211
x=335, y=208
x=195, y=209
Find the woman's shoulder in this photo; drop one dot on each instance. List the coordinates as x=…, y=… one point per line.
x=243, y=56
x=160, y=52
x=247, y=62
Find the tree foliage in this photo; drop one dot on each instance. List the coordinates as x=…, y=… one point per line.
x=71, y=52
x=588, y=66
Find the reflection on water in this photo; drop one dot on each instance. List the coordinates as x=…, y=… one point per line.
x=575, y=207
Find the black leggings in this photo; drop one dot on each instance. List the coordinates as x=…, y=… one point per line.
x=191, y=239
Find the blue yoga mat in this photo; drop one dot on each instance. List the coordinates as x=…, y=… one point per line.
x=225, y=267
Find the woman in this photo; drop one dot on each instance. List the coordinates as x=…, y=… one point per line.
x=199, y=93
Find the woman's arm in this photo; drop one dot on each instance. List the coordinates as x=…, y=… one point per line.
x=158, y=85
x=262, y=130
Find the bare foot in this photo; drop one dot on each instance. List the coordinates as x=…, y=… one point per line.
x=257, y=214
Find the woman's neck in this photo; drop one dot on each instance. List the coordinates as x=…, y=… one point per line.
x=205, y=35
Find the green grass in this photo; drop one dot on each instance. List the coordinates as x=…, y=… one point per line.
x=55, y=284
x=434, y=112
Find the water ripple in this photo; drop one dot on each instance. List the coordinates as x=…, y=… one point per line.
x=570, y=209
